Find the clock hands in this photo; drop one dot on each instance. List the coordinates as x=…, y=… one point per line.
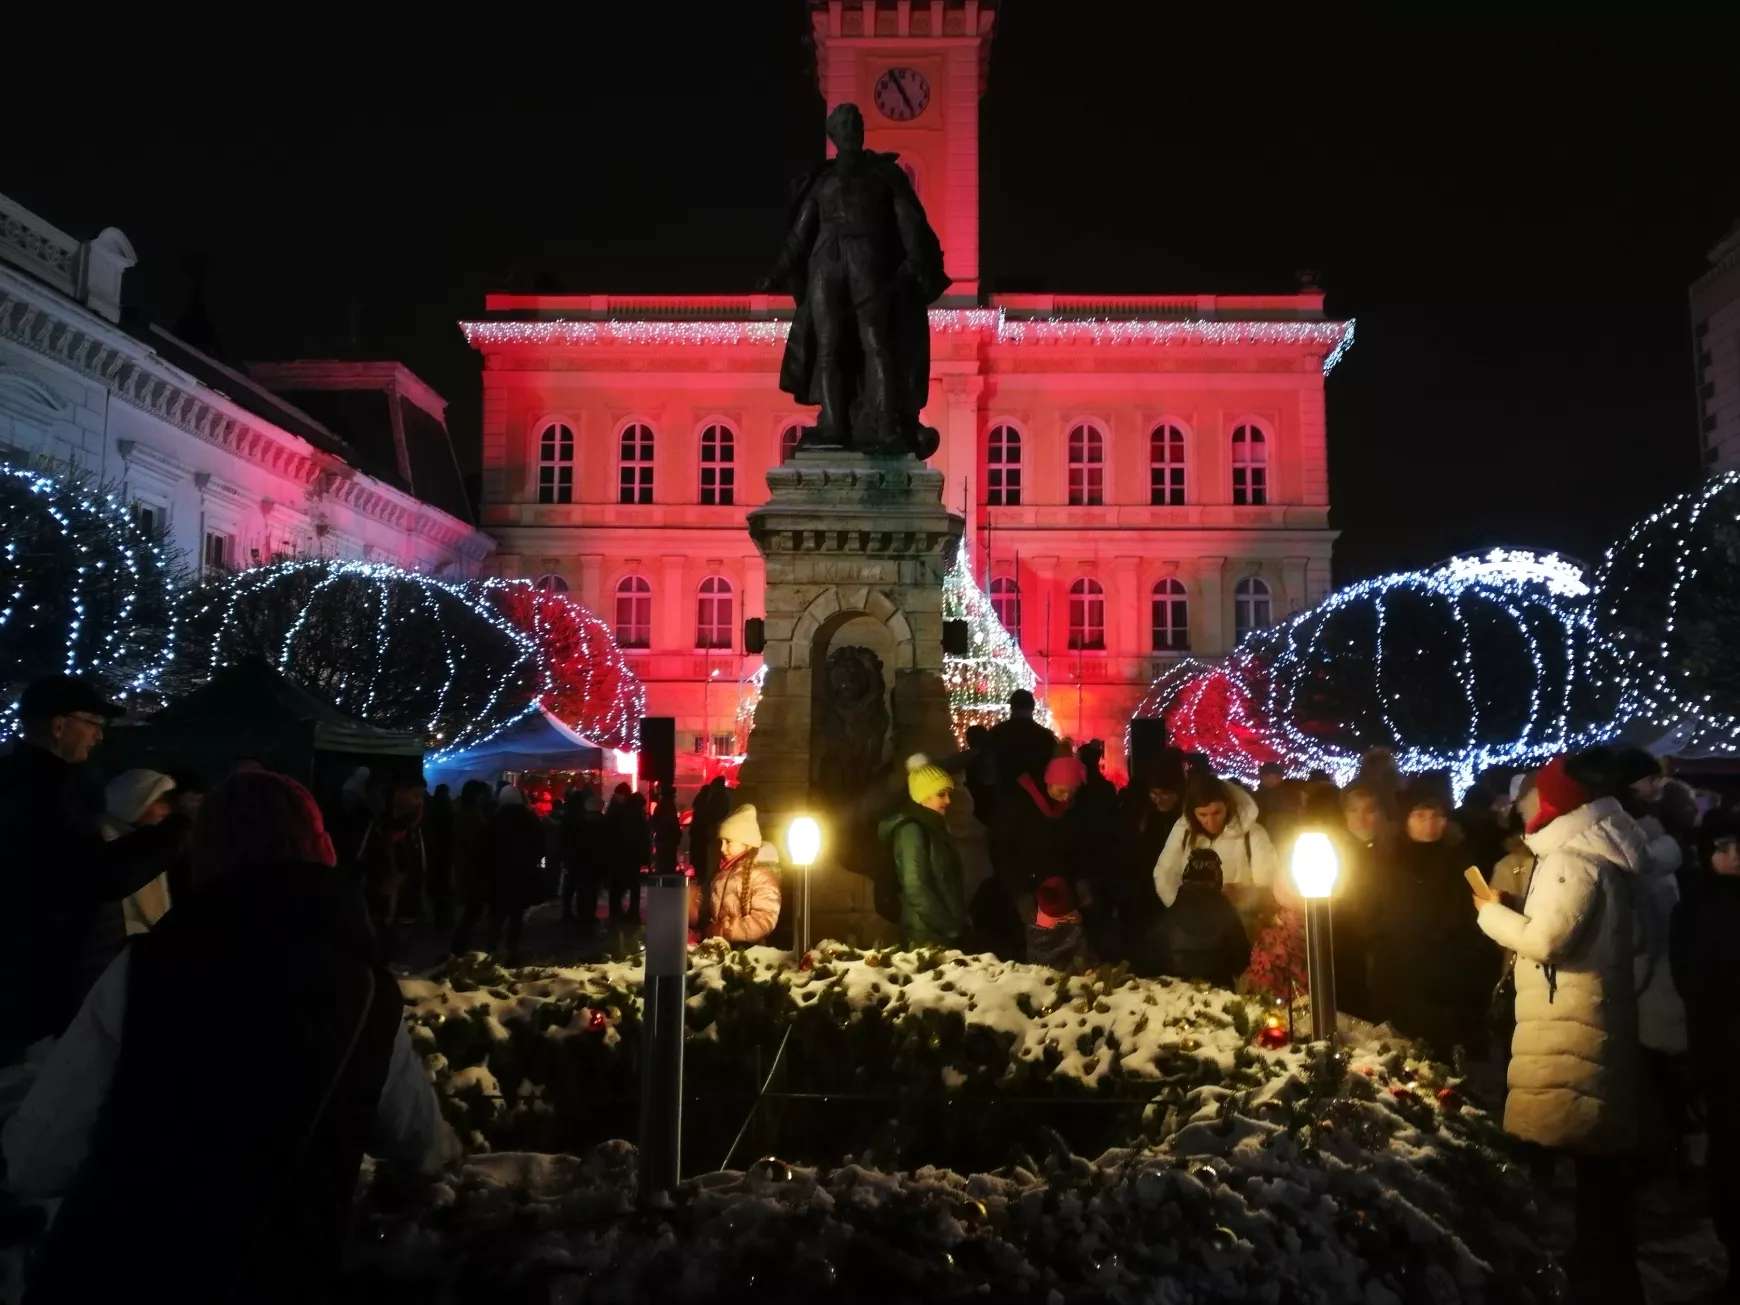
x=900, y=85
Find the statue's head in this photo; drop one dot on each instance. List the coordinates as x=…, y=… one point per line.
x=846, y=128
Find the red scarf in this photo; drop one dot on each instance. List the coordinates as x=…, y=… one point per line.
x=1051, y=810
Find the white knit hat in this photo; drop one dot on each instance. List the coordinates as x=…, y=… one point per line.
x=129, y=793
x=741, y=826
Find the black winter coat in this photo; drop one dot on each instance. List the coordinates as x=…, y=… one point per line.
x=516, y=858
x=1200, y=936
x=62, y=922
x=1021, y=746
x=1706, y=966
x=213, y=1169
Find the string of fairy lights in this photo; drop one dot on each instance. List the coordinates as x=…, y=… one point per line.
x=980, y=681
x=1251, y=708
x=88, y=591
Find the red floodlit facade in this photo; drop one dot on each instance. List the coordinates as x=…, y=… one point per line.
x=1142, y=476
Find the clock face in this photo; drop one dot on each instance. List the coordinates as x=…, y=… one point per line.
x=902, y=93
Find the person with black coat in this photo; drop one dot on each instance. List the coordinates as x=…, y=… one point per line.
x=438, y=848
x=628, y=843
x=63, y=921
x=1432, y=971
x=1200, y=936
x=1021, y=746
x=582, y=857
x=516, y=869
x=1706, y=970
x=206, y=1129
x=1148, y=807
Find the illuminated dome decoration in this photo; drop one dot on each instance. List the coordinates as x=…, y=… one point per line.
x=994, y=666
x=394, y=648
x=1481, y=661
x=1669, y=603
x=590, y=687
x=83, y=590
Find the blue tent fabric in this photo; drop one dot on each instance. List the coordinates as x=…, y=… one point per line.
x=536, y=741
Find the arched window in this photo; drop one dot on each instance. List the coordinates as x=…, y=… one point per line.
x=633, y=612
x=1169, y=611
x=635, y=465
x=556, y=463
x=718, y=466
x=911, y=175
x=1087, y=466
x=713, y=626
x=551, y=584
x=1250, y=462
x=1087, y=615
x=1003, y=467
x=788, y=442
x=1006, y=603
x=1251, y=608
x=1166, y=466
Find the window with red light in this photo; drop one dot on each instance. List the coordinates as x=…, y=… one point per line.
x=1166, y=466
x=1169, y=608
x=556, y=463
x=788, y=442
x=1087, y=466
x=1250, y=462
x=551, y=584
x=635, y=464
x=1252, y=609
x=713, y=624
x=1003, y=467
x=1006, y=603
x=1087, y=615
x=633, y=612
x=718, y=466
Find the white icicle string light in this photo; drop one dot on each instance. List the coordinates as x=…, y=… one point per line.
x=1272, y=664
x=993, y=656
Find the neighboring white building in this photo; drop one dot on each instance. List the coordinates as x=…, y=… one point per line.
x=1715, y=303
x=232, y=472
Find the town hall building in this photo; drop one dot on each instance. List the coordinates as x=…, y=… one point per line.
x=1143, y=477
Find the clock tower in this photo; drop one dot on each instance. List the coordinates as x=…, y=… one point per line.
x=917, y=69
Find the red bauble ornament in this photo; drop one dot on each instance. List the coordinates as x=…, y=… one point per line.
x=1273, y=1034
x=1450, y=1099
x=597, y=1021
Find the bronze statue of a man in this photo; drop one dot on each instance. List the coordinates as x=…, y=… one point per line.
x=863, y=265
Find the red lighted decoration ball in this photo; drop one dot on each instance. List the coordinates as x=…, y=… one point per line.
x=1273, y=1033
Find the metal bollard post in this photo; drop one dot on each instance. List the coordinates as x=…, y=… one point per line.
x=1320, y=967
x=663, y=996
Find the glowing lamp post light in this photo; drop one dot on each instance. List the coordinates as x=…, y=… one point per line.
x=1314, y=873
x=804, y=841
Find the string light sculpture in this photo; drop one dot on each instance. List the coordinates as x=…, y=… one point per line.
x=980, y=682
x=1668, y=603
x=86, y=590
x=590, y=686
x=397, y=649
x=1482, y=661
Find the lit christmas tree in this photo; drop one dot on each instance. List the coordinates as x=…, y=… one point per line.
x=994, y=666
x=83, y=590
x=396, y=649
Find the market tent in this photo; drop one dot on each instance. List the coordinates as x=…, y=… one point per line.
x=253, y=712
x=536, y=741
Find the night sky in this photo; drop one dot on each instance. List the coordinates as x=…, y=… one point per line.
x=1513, y=217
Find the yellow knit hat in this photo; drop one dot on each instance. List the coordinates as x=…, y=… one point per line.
x=927, y=781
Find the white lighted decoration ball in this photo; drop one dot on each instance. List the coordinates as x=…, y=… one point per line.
x=1314, y=865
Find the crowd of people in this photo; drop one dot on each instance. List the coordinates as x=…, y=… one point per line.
x=1591, y=954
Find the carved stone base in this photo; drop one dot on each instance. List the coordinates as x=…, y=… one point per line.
x=856, y=549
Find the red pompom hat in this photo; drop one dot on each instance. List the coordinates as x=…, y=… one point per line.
x=1560, y=794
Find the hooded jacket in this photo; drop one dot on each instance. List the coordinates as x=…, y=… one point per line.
x=1247, y=857
x=1571, y=1072
x=933, y=902
x=745, y=900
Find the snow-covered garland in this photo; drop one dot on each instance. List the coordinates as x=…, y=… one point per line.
x=1509, y=637
x=1253, y=1174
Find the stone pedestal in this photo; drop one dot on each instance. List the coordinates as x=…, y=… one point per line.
x=856, y=549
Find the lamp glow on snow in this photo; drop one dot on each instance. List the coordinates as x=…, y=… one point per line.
x=1315, y=869
x=803, y=839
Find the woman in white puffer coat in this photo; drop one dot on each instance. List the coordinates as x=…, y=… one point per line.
x=1573, y=1063
x=1218, y=814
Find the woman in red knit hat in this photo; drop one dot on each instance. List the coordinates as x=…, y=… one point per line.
x=1573, y=1055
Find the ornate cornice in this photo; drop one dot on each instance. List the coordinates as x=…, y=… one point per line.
x=141, y=380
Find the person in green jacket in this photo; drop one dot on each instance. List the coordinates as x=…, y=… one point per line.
x=933, y=901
